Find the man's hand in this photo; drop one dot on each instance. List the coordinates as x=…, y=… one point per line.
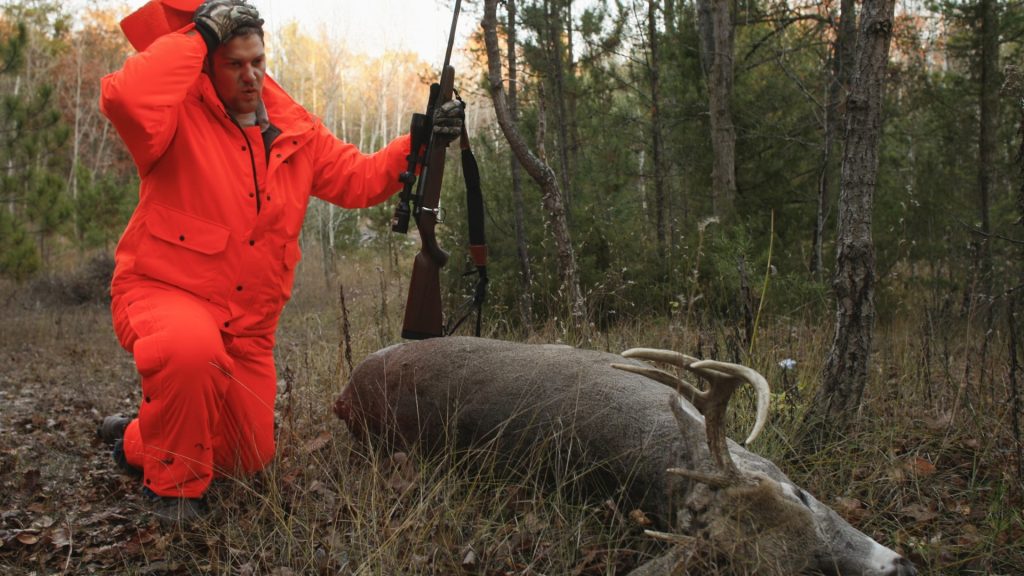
x=448, y=120
x=217, y=19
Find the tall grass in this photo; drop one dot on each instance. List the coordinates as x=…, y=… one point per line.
x=930, y=468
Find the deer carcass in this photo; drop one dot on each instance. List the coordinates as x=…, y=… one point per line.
x=662, y=448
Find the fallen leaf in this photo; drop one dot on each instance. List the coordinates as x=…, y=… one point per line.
x=60, y=537
x=969, y=536
x=639, y=518
x=939, y=422
x=28, y=537
x=920, y=467
x=317, y=444
x=469, y=559
x=403, y=473
x=919, y=512
x=850, y=508
x=42, y=522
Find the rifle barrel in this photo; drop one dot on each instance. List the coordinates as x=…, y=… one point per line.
x=451, y=36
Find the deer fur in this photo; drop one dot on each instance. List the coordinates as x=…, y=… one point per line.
x=637, y=439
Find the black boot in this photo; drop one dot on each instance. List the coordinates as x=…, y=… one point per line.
x=176, y=512
x=112, y=428
x=111, y=431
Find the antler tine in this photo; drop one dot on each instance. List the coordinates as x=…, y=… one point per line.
x=724, y=378
x=714, y=370
x=715, y=400
x=688, y=391
x=658, y=355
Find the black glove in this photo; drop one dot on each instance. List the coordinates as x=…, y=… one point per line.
x=448, y=120
x=217, y=19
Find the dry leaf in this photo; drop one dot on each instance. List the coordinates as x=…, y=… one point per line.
x=469, y=558
x=28, y=537
x=403, y=473
x=60, y=537
x=920, y=467
x=850, y=508
x=42, y=522
x=919, y=512
x=639, y=518
x=939, y=422
x=317, y=444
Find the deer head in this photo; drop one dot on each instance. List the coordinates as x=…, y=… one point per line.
x=753, y=522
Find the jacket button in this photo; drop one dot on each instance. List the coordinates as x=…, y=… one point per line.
x=295, y=142
x=182, y=237
x=252, y=194
x=227, y=324
x=239, y=288
x=148, y=399
x=252, y=242
x=278, y=155
x=268, y=198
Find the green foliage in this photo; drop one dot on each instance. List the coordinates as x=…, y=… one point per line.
x=102, y=207
x=32, y=136
x=18, y=256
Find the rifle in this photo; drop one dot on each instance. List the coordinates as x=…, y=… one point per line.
x=423, y=315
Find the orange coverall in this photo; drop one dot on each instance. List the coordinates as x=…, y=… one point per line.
x=207, y=261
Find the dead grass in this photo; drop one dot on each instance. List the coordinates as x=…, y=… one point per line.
x=930, y=470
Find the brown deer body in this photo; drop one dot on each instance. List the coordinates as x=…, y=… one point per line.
x=635, y=436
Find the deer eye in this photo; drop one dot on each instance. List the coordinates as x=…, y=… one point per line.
x=802, y=496
x=795, y=492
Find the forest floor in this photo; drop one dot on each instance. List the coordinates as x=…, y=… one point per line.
x=932, y=476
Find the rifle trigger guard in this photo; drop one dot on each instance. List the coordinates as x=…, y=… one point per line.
x=439, y=213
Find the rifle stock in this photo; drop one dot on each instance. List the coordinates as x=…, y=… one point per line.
x=423, y=315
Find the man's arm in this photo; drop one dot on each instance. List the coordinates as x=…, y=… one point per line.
x=142, y=98
x=345, y=176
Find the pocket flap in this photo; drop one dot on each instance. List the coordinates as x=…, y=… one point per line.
x=186, y=230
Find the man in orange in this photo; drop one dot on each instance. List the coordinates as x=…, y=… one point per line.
x=227, y=162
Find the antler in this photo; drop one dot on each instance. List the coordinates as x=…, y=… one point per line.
x=723, y=378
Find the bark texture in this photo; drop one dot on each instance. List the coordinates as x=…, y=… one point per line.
x=846, y=369
x=716, y=21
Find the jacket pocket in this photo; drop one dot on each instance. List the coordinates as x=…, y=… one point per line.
x=184, y=250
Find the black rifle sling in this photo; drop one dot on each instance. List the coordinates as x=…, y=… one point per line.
x=477, y=239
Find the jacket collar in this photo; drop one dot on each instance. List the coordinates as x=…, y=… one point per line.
x=284, y=112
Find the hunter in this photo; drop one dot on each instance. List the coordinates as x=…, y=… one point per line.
x=227, y=162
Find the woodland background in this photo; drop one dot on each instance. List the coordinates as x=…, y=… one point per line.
x=692, y=208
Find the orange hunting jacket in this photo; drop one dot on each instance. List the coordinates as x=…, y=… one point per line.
x=217, y=217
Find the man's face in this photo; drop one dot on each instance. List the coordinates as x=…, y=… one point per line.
x=239, y=67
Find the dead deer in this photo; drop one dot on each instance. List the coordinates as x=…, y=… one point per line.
x=662, y=449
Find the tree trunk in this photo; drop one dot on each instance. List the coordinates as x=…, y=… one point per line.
x=839, y=72
x=846, y=369
x=987, y=146
x=522, y=249
x=987, y=150
x=553, y=11
x=539, y=171
x=716, y=21
x=656, y=138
